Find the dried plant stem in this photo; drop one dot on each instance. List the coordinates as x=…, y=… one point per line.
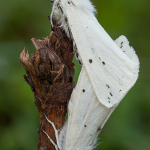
x=50, y=74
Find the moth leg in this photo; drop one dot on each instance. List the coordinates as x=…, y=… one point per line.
x=56, y=131
x=50, y=140
x=53, y=8
x=63, y=14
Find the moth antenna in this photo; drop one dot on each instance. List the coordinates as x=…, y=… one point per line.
x=51, y=19
x=50, y=140
x=54, y=4
x=56, y=131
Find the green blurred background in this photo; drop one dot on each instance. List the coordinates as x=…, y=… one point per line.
x=20, y=20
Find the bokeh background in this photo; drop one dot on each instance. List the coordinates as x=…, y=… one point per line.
x=20, y=20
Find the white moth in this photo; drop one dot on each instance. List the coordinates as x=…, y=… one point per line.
x=109, y=70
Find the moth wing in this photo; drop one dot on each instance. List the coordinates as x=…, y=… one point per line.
x=86, y=116
x=112, y=73
x=62, y=135
x=123, y=43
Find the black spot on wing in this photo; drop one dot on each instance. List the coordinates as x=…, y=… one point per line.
x=83, y=90
x=121, y=45
x=90, y=60
x=66, y=19
x=110, y=94
x=99, y=129
x=80, y=62
x=85, y=126
x=60, y=9
x=77, y=55
x=103, y=62
x=108, y=86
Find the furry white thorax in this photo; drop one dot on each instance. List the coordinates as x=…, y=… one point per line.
x=58, y=11
x=60, y=15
